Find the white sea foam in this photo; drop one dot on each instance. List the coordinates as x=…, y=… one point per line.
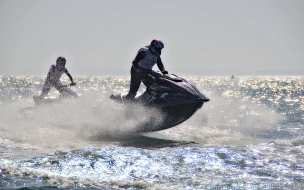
x=70, y=122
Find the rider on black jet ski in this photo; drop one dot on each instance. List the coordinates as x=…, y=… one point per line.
x=143, y=63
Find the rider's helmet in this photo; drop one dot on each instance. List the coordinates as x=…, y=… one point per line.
x=60, y=62
x=156, y=46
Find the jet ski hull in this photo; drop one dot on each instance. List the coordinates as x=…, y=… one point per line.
x=172, y=116
x=45, y=100
x=53, y=99
x=173, y=110
x=174, y=97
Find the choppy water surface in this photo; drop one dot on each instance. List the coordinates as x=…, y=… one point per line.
x=249, y=136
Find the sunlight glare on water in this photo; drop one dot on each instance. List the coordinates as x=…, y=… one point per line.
x=249, y=136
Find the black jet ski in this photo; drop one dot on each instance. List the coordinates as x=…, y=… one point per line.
x=176, y=98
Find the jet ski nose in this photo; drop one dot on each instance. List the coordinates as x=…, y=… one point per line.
x=203, y=98
x=206, y=100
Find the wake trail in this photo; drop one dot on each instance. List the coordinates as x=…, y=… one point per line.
x=70, y=123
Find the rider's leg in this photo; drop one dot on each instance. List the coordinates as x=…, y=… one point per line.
x=135, y=83
x=46, y=88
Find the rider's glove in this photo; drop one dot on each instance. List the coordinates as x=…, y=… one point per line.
x=72, y=84
x=165, y=72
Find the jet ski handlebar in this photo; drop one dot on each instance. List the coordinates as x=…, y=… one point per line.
x=71, y=84
x=172, y=77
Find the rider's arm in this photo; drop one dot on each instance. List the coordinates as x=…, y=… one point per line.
x=69, y=75
x=70, y=78
x=161, y=65
x=140, y=55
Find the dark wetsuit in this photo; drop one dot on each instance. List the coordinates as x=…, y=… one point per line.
x=141, y=66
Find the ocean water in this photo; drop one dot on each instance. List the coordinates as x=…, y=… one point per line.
x=249, y=136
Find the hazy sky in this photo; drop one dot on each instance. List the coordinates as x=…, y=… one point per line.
x=201, y=37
